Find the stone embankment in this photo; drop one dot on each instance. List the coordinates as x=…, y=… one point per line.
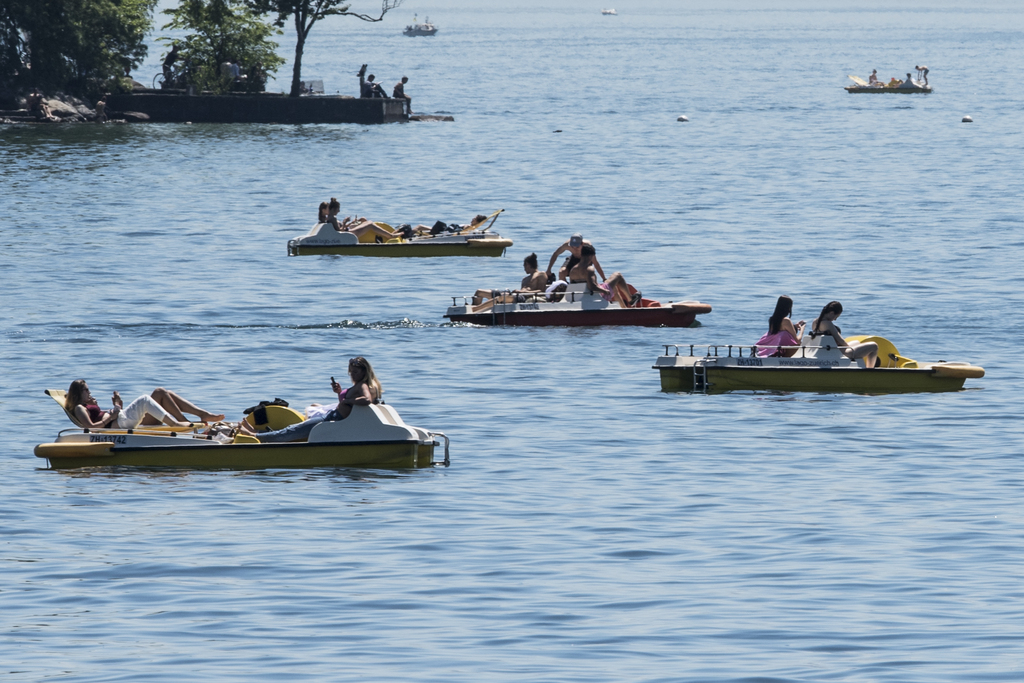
x=174, y=107
x=170, y=106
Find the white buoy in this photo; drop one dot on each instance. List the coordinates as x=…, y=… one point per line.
x=967, y=119
x=682, y=117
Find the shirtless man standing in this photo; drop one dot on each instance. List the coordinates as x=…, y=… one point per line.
x=573, y=247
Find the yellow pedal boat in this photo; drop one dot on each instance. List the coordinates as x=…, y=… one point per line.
x=816, y=366
x=474, y=240
x=371, y=436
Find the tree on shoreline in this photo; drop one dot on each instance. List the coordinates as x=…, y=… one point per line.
x=81, y=46
x=305, y=13
x=222, y=30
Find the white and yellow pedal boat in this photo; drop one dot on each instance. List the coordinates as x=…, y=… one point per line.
x=474, y=240
x=862, y=86
x=817, y=366
x=371, y=436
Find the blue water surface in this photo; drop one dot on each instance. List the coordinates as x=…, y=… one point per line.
x=591, y=528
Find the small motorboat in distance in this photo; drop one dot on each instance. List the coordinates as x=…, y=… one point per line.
x=898, y=87
x=418, y=29
x=371, y=436
x=608, y=11
x=469, y=240
x=816, y=366
x=575, y=307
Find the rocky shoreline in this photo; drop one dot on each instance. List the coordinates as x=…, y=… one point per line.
x=66, y=108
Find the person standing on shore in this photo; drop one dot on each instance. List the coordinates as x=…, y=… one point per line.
x=168, y=67
x=399, y=93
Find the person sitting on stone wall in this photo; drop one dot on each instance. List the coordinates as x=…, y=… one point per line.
x=399, y=93
x=367, y=87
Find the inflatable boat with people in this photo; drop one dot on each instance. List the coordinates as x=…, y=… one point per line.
x=375, y=238
x=372, y=436
x=816, y=365
x=573, y=307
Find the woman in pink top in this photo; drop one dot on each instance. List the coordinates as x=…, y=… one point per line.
x=781, y=331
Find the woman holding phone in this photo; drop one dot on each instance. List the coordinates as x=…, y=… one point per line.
x=161, y=407
x=825, y=324
x=365, y=390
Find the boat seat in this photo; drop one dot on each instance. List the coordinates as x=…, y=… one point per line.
x=577, y=291
x=324, y=233
x=365, y=423
x=60, y=396
x=272, y=418
x=472, y=228
x=816, y=347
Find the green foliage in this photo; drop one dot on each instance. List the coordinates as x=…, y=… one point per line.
x=305, y=13
x=72, y=45
x=221, y=31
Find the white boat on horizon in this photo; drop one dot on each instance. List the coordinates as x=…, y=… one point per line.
x=418, y=29
x=608, y=11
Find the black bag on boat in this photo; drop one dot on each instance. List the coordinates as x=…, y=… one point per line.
x=264, y=404
x=438, y=228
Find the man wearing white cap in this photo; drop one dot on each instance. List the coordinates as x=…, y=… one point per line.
x=573, y=247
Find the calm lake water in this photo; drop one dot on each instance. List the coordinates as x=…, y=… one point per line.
x=591, y=528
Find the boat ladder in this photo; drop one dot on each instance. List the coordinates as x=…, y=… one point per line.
x=447, y=460
x=700, y=375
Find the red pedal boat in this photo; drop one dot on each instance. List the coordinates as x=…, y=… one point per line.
x=576, y=308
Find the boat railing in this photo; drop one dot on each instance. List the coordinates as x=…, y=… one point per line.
x=192, y=431
x=528, y=297
x=712, y=350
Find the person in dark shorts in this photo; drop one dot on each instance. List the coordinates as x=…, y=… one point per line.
x=573, y=247
x=399, y=94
